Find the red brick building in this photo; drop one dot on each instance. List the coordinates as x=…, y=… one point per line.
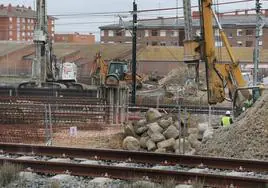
x=17, y=23
x=239, y=27
x=75, y=38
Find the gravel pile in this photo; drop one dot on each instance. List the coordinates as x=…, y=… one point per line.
x=246, y=138
x=33, y=180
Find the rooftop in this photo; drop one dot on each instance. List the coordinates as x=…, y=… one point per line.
x=226, y=21
x=7, y=47
x=17, y=11
x=124, y=51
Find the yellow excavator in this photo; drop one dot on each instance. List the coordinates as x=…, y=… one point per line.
x=113, y=73
x=220, y=76
x=98, y=70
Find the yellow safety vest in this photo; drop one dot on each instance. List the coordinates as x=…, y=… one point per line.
x=226, y=121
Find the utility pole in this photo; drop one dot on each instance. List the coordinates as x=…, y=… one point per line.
x=134, y=52
x=256, y=56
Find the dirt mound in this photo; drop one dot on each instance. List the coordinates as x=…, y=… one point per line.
x=247, y=138
x=177, y=76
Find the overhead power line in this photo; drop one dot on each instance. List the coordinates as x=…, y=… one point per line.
x=140, y=11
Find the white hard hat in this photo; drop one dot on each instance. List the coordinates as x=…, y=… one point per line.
x=228, y=113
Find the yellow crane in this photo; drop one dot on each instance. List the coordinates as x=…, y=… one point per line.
x=219, y=76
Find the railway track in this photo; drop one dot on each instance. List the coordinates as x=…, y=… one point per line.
x=148, y=160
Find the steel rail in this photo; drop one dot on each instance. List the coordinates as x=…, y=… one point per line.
x=141, y=157
x=130, y=173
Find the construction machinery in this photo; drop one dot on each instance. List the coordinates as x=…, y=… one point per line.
x=220, y=77
x=98, y=71
x=114, y=73
x=47, y=70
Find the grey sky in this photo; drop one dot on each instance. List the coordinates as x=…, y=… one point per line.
x=56, y=7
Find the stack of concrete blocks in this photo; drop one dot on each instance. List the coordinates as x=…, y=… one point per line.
x=161, y=133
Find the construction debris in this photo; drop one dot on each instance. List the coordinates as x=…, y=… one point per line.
x=162, y=133
x=246, y=138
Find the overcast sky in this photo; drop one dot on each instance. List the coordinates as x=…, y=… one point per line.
x=64, y=24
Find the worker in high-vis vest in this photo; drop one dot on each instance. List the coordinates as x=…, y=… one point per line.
x=226, y=120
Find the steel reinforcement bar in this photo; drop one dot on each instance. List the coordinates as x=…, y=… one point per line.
x=130, y=173
x=142, y=157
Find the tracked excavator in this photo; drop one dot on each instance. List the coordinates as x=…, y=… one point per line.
x=47, y=70
x=114, y=73
x=220, y=77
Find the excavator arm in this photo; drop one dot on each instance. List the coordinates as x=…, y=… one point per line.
x=99, y=70
x=219, y=76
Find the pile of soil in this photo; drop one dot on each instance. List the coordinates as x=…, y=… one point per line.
x=247, y=138
x=110, y=137
x=177, y=76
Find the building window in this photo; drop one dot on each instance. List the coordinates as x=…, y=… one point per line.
x=154, y=43
x=162, y=43
x=239, y=32
x=23, y=20
x=218, y=43
x=146, y=33
x=52, y=29
x=217, y=32
x=127, y=33
x=52, y=22
x=198, y=32
x=260, y=43
x=230, y=35
x=10, y=19
x=10, y=39
x=162, y=33
x=249, y=32
x=154, y=33
x=249, y=43
x=118, y=33
x=10, y=26
x=174, y=33
x=240, y=43
x=23, y=34
x=110, y=33
x=102, y=33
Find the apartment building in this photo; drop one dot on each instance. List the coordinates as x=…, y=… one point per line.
x=17, y=23
x=75, y=38
x=239, y=27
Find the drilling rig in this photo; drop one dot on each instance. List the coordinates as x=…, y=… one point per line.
x=220, y=77
x=191, y=44
x=47, y=72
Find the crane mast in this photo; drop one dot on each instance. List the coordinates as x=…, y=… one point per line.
x=42, y=64
x=191, y=56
